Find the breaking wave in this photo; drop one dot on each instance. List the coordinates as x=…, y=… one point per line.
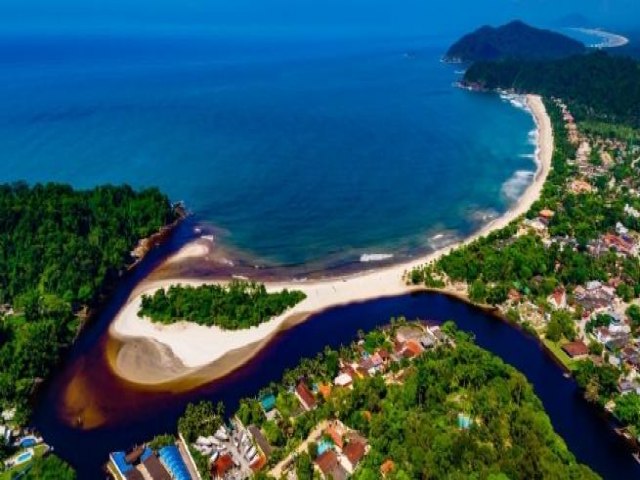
x=513, y=188
x=375, y=257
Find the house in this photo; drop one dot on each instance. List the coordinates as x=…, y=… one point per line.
x=343, y=380
x=404, y=334
x=545, y=216
x=427, y=341
x=580, y=186
x=619, y=244
x=221, y=466
x=306, y=398
x=558, y=299
x=336, y=431
x=352, y=454
x=330, y=467
x=603, y=335
x=377, y=361
x=261, y=441
x=621, y=229
x=155, y=469
x=625, y=387
x=576, y=350
x=412, y=349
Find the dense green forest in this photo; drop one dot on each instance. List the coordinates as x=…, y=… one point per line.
x=238, y=305
x=415, y=422
x=513, y=40
x=596, y=86
x=58, y=248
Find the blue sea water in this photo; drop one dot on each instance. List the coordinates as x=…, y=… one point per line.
x=298, y=149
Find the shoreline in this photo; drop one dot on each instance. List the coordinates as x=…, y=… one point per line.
x=151, y=355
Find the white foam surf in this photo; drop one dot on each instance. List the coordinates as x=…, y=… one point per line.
x=375, y=257
x=514, y=187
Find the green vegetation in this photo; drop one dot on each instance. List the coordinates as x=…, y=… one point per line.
x=43, y=466
x=59, y=249
x=597, y=87
x=600, y=382
x=558, y=353
x=513, y=40
x=198, y=419
x=49, y=467
x=628, y=410
x=160, y=441
x=414, y=422
x=235, y=306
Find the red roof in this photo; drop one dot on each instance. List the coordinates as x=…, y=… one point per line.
x=575, y=349
x=222, y=465
x=305, y=395
x=327, y=461
x=354, y=451
x=336, y=435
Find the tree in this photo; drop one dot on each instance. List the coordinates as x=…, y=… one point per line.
x=628, y=409
x=478, y=291
x=633, y=312
x=200, y=419
x=304, y=467
x=49, y=468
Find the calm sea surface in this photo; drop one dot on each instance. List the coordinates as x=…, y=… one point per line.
x=299, y=150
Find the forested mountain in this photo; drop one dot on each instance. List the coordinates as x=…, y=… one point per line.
x=513, y=40
x=596, y=86
x=58, y=247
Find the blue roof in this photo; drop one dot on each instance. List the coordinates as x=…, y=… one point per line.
x=171, y=458
x=146, y=454
x=268, y=402
x=120, y=461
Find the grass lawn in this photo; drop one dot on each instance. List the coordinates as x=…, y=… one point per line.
x=560, y=354
x=38, y=451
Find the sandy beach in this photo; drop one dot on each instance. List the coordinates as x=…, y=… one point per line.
x=154, y=354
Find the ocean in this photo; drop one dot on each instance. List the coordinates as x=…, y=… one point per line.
x=297, y=150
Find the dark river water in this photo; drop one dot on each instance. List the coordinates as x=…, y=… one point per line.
x=131, y=415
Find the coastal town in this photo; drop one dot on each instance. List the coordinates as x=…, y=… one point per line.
x=263, y=435
x=587, y=313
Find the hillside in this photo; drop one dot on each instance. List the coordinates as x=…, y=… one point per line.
x=513, y=40
x=599, y=86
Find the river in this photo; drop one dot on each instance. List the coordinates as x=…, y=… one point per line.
x=128, y=415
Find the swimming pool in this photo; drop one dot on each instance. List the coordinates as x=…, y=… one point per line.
x=29, y=441
x=24, y=457
x=323, y=446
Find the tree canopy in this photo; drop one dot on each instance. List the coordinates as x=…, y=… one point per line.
x=59, y=248
x=238, y=305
